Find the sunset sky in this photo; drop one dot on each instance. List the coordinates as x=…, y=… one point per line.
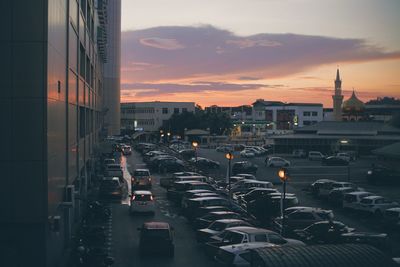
x=232, y=52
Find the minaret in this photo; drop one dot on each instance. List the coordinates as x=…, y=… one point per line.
x=337, y=98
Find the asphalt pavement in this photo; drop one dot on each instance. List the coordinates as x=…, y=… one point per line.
x=125, y=234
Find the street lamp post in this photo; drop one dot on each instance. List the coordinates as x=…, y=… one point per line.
x=195, y=145
x=168, y=136
x=283, y=176
x=229, y=156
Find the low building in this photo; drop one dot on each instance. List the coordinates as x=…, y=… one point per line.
x=330, y=136
x=149, y=116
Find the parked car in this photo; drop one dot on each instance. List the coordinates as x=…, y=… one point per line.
x=216, y=227
x=254, y=194
x=326, y=188
x=247, y=153
x=239, y=255
x=142, y=201
x=302, y=218
x=383, y=175
x=207, y=219
x=194, y=204
x=323, y=232
x=170, y=165
x=156, y=238
x=177, y=190
x=376, y=205
x=191, y=195
x=167, y=182
x=205, y=163
x=345, y=156
x=110, y=187
x=113, y=170
x=334, y=161
x=299, y=153
x=153, y=153
x=246, y=176
x=246, y=234
x=141, y=178
x=391, y=218
x=246, y=185
x=315, y=155
x=336, y=195
x=352, y=200
x=244, y=167
x=315, y=186
x=187, y=153
x=277, y=162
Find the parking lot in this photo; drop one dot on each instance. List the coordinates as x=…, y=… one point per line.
x=188, y=252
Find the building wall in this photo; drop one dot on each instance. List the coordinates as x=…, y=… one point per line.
x=47, y=97
x=23, y=143
x=149, y=116
x=112, y=68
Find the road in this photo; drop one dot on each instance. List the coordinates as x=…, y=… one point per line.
x=125, y=234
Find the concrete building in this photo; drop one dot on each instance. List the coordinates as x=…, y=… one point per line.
x=112, y=69
x=51, y=84
x=361, y=137
x=149, y=116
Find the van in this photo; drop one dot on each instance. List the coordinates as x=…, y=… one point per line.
x=352, y=200
x=315, y=155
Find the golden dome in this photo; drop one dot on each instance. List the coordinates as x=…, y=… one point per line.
x=353, y=104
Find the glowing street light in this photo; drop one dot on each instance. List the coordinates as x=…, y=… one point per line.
x=195, y=145
x=229, y=156
x=283, y=176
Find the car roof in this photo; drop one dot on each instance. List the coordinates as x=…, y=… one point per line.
x=244, y=246
x=249, y=230
x=310, y=209
x=189, y=182
x=358, y=193
x=205, y=198
x=142, y=192
x=142, y=170
x=257, y=181
x=373, y=197
x=222, y=212
x=156, y=225
x=230, y=220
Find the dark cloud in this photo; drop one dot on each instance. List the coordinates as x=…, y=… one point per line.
x=248, y=78
x=167, y=53
x=154, y=89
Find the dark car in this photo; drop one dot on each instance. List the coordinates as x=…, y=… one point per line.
x=207, y=219
x=254, y=194
x=324, y=232
x=205, y=163
x=336, y=195
x=110, y=187
x=244, y=167
x=383, y=175
x=334, y=161
x=156, y=238
x=187, y=153
x=378, y=240
x=171, y=165
x=195, y=203
x=179, y=188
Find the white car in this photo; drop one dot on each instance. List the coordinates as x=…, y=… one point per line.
x=376, y=205
x=325, y=189
x=278, y=162
x=142, y=201
x=352, y=200
x=239, y=255
x=247, y=153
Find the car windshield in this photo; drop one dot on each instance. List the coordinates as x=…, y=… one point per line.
x=142, y=197
x=366, y=201
x=217, y=226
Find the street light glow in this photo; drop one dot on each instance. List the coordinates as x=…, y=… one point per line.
x=282, y=174
x=194, y=144
x=229, y=156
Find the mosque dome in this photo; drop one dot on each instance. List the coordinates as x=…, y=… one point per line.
x=353, y=104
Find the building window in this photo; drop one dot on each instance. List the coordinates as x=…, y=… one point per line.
x=164, y=110
x=176, y=110
x=184, y=110
x=314, y=113
x=306, y=122
x=306, y=113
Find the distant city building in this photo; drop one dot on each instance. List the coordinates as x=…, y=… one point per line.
x=53, y=54
x=353, y=109
x=149, y=116
x=361, y=137
x=239, y=113
x=337, y=98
